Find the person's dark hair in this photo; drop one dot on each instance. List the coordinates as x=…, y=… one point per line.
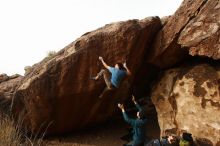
x=121, y=66
x=187, y=136
x=142, y=114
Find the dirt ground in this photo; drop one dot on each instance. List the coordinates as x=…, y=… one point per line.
x=108, y=134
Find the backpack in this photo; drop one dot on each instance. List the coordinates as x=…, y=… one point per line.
x=184, y=143
x=187, y=139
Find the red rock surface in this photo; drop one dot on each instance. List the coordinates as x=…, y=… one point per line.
x=202, y=34
x=8, y=85
x=165, y=50
x=58, y=91
x=193, y=29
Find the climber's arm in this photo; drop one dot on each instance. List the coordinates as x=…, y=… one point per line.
x=127, y=69
x=126, y=117
x=103, y=62
x=136, y=104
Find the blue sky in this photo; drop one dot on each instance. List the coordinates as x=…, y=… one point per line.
x=31, y=28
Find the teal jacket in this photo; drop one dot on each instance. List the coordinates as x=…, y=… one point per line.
x=138, y=126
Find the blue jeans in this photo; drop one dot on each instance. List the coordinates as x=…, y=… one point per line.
x=132, y=143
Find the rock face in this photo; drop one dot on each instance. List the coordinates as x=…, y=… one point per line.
x=8, y=85
x=202, y=34
x=188, y=98
x=193, y=29
x=58, y=91
x=3, y=77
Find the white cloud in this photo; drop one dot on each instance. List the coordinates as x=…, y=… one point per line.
x=31, y=28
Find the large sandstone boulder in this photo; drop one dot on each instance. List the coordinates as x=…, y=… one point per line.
x=193, y=29
x=58, y=92
x=188, y=99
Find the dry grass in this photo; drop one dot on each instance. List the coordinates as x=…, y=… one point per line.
x=11, y=134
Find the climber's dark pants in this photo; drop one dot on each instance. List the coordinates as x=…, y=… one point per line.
x=131, y=143
x=107, y=78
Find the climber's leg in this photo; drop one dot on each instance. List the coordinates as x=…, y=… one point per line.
x=108, y=83
x=107, y=78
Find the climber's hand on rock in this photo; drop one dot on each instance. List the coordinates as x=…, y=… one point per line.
x=121, y=106
x=125, y=64
x=100, y=58
x=133, y=99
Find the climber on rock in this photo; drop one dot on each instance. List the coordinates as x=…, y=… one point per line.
x=118, y=73
x=137, y=124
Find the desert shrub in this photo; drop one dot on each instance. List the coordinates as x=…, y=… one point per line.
x=51, y=53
